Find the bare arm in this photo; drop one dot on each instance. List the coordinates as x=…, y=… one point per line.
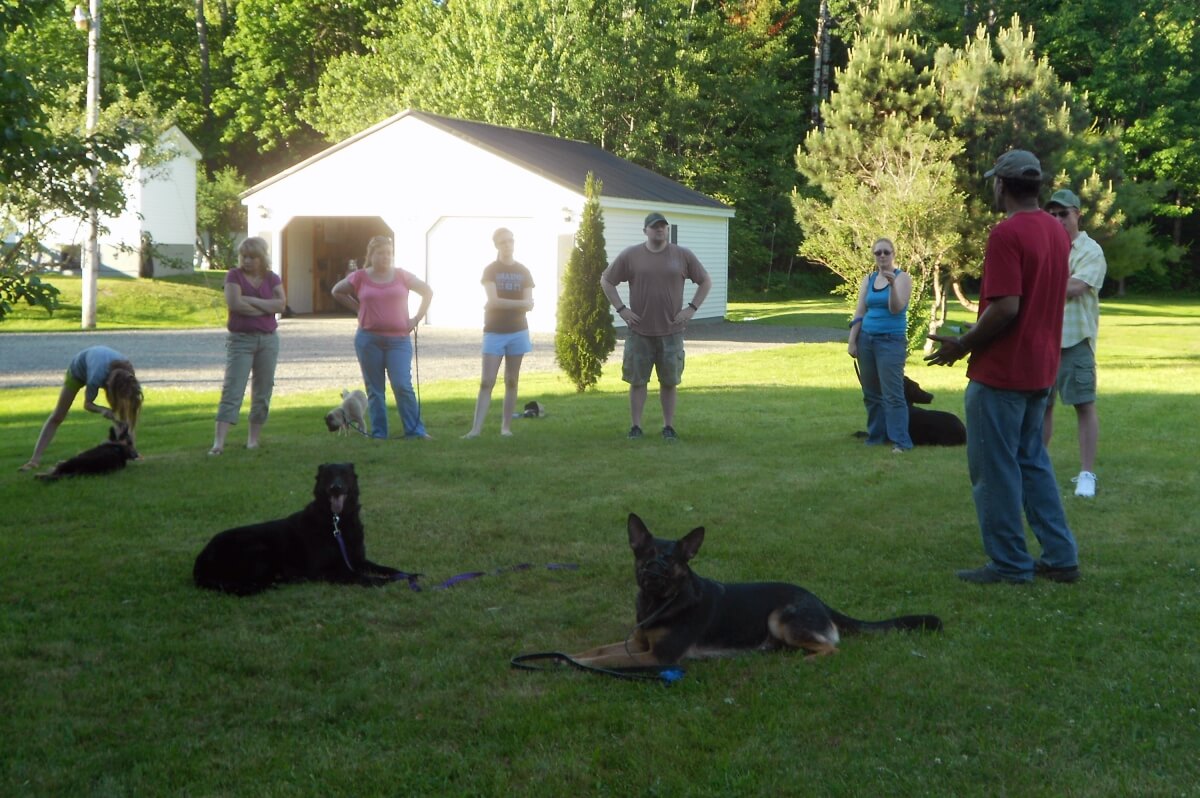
x=998, y=314
x=614, y=298
x=90, y=406
x=420, y=287
x=495, y=302
x=688, y=311
x=860, y=310
x=243, y=305
x=343, y=294
x=1076, y=287
x=899, y=291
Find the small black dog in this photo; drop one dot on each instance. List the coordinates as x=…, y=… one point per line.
x=112, y=455
x=680, y=614
x=931, y=427
x=302, y=547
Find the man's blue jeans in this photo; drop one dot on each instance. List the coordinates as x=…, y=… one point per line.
x=388, y=359
x=1010, y=473
x=881, y=369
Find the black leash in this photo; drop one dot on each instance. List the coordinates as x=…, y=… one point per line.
x=645, y=673
x=521, y=566
x=417, y=372
x=652, y=673
x=414, y=586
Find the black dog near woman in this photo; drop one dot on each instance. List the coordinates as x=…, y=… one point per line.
x=111, y=455
x=323, y=542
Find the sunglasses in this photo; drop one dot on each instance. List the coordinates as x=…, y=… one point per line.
x=879, y=253
x=1063, y=214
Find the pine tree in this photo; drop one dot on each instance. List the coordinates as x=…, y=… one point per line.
x=585, y=336
x=880, y=167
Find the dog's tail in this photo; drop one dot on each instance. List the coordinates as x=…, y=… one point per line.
x=905, y=623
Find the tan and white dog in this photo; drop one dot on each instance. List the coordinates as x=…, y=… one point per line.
x=350, y=414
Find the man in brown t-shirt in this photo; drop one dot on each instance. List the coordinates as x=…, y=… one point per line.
x=656, y=315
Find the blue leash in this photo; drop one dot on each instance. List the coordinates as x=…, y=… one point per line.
x=454, y=580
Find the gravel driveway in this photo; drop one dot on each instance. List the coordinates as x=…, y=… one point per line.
x=317, y=353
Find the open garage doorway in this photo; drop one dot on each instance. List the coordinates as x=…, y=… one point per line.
x=319, y=251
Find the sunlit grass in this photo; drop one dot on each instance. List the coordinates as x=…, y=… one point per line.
x=118, y=677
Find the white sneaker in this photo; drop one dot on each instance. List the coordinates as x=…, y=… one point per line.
x=1085, y=484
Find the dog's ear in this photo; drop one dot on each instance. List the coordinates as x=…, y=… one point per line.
x=640, y=539
x=689, y=544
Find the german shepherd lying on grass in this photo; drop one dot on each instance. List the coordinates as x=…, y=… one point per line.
x=300, y=548
x=112, y=455
x=681, y=614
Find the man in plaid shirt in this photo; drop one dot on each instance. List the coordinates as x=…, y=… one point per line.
x=1076, y=382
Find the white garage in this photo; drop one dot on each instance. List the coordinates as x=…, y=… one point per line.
x=440, y=186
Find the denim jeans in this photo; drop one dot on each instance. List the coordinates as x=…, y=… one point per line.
x=388, y=357
x=1010, y=472
x=246, y=353
x=881, y=369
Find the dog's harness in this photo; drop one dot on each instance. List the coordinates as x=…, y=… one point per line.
x=396, y=577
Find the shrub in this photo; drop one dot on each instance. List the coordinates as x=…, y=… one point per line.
x=585, y=336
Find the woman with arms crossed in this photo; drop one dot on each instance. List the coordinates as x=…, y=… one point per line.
x=253, y=295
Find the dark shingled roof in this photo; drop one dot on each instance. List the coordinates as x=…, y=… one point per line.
x=562, y=161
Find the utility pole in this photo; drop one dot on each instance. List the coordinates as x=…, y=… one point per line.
x=91, y=248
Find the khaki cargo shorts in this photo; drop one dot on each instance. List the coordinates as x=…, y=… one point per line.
x=663, y=353
x=1076, y=383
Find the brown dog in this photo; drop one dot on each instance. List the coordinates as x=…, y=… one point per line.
x=681, y=615
x=349, y=414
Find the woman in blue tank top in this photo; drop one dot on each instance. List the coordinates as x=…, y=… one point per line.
x=878, y=341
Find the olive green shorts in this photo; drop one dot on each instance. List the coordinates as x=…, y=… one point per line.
x=662, y=353
x=1076, y=383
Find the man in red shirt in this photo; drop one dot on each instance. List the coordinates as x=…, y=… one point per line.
x=1015, y=348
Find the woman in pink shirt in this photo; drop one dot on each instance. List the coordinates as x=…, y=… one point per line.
x=378, y=292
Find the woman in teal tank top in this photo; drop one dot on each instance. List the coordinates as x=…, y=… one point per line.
x=879, y=343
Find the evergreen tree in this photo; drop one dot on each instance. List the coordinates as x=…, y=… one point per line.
x=881, y=168
x=585, y=336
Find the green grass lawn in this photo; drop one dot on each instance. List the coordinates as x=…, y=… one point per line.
x=118, y=677
x=194, y=299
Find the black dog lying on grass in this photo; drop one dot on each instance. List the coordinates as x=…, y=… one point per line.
x=303, y=547
x=931, y=427
x=928, y=427
x=680, y=614
x=112, y=455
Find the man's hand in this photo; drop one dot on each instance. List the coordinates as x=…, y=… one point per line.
x=685, y=314
x=950, y=352
x=628, y=315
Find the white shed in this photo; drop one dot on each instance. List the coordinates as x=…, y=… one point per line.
x=160, y=209
x=440, y=186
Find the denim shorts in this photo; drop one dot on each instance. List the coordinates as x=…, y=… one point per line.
x=507, y=344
